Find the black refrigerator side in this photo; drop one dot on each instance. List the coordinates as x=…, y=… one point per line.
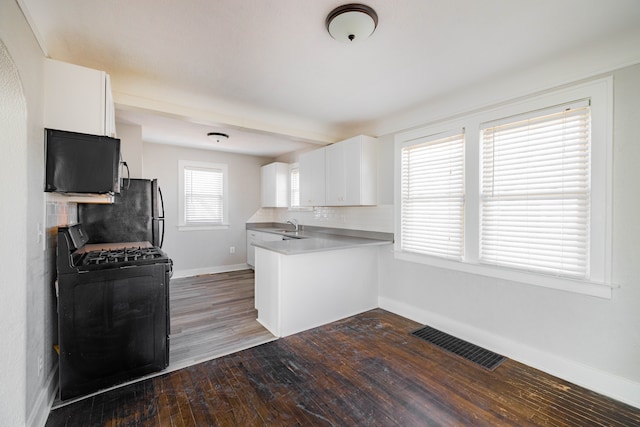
x=133, y=217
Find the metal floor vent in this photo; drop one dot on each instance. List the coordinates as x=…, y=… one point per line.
x=483, y=357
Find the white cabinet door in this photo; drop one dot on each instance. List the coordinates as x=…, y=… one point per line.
x=336, y=175
x=266, y=289
x=77, y=99
x=351, y=177
x=312, y=178
x=298, y=292
x=274, y=185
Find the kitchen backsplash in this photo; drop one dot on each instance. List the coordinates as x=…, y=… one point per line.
x=58, y=213
x=369, y=218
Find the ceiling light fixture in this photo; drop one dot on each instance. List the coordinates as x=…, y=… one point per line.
x=352, y=22
x=217, y=136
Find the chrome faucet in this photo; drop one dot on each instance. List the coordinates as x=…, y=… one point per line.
x=294, y=223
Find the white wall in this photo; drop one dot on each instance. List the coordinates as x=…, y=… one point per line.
x=13, y=128
x=28, y=225
x=131, y=148
x=199, y=252
x=589, y=340
x=28, y=327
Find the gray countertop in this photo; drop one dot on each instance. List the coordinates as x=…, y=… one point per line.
x=318, y=240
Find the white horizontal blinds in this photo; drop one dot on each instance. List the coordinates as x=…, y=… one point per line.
x=536, y=192
x=203, y=193
x=432, y=196
x=294, y=184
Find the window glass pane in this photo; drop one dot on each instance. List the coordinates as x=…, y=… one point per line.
x=432, y=197
x=203, y=195
x=294, y=186
x=536, y=193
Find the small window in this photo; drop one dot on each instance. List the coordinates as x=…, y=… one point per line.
x=432, y=196
x=294, y=186
x=203, y=195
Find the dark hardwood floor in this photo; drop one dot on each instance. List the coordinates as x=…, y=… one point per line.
x=362, y=371
x=211, y=315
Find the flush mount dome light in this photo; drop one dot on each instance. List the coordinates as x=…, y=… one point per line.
x=217, y=136
x=352, y=22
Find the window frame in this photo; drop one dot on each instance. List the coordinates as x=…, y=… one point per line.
x=298, y=208
x=600, y=93
x=536, y=190
x=182, y=224
x=455, y=136
x=294, y=167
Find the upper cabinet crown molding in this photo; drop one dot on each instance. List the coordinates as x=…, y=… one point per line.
x=275, y=185
x=78, y=99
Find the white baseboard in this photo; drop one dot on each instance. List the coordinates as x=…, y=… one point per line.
x=42, y=406
x=209, y=270
x=602, y=382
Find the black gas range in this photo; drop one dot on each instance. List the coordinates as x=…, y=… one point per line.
x=113, y=311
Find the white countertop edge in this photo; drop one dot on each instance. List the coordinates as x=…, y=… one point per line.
x=317, y=242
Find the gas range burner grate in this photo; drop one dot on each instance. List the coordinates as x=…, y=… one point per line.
x=121, y=255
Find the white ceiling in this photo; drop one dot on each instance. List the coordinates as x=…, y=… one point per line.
x=271, y=66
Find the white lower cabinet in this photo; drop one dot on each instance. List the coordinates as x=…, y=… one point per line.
x=299, y=292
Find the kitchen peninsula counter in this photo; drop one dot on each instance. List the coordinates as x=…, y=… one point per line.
x=317, y=277
x=316, y=239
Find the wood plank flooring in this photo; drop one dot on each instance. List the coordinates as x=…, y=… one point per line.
x=213, y=315
x=365, y=370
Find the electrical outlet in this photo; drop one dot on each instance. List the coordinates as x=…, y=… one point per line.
x=40, y=365
x=232, y=249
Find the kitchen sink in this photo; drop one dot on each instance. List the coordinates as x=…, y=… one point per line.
x=291, y=233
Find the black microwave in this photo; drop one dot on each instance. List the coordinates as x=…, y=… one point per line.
x=81, y=163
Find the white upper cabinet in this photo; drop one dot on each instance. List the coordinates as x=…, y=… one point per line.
x=312, y=178
x=78, y=99
x=351, y=177
x=275, y=185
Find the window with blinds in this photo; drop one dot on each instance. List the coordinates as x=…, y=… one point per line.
x=535, y=191
x=203, y=195
x=294, y=187
x=432, y=195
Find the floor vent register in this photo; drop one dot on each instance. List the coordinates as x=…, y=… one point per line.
x=483, y=357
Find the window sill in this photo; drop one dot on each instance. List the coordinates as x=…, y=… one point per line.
x=583, y=287
x=202, y=227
